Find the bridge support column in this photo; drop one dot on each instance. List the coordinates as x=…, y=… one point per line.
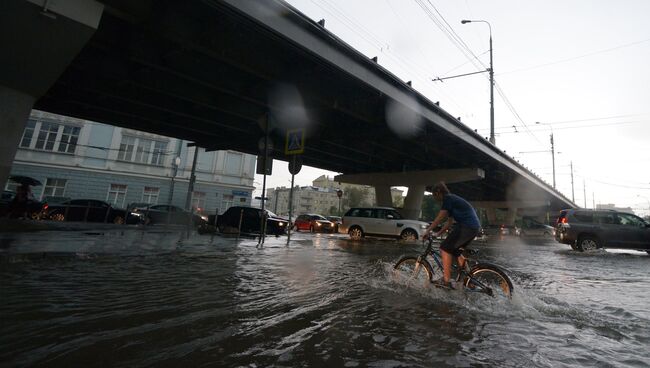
x=38, y=39
x=14, y=111
x=383, y=196
x=511, y=215
x=491, y=216
x=413, y=202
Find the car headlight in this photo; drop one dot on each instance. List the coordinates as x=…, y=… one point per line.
x=424, y=227
x=318, y=224
x=204, y=217
x=281, y=224
x=138, y=214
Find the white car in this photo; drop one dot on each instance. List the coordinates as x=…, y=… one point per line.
x=380, y=221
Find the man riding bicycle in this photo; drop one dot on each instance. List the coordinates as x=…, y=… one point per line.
x=465, y=228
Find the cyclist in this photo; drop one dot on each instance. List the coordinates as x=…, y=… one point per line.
x=466, y=224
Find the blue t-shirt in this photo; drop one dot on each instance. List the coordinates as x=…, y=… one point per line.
x=461, y=211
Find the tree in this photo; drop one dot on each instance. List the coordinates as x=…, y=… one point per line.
x=430, y=208
x=353, y=197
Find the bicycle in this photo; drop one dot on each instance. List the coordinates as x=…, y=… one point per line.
x=483, y=278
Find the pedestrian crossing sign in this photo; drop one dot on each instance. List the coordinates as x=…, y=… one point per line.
x=295, y=143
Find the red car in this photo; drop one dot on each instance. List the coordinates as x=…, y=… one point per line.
x=314, y=223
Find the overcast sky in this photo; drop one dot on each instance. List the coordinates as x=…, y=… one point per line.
x=579, y=67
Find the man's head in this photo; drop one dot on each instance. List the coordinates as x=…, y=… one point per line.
x=439, y=191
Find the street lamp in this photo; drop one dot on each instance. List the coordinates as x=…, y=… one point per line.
x=464, y=21
x=552, y=150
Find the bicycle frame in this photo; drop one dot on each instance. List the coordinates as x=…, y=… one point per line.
x=463, y=273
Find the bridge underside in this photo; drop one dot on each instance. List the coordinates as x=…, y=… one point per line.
x=213, y=71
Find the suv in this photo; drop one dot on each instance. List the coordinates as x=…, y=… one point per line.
x=586, y=229
x=250, y=218
x=380, y=221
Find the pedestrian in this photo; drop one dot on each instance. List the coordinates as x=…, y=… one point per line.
x=18, y=205
x=464, y=223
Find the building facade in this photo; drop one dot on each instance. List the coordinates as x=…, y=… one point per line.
x=76, y=158
x=322, y=198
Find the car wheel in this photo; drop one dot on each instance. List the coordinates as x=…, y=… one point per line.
x=409, y=235
x=587, y=243
x=36, y=215
x=119, y=220
x=57, y=217
x=356, y=233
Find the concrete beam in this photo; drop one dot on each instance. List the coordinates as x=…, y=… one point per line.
x=413, y=178
x=510, y=204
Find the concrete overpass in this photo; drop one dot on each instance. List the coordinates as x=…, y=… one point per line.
x=215, y=72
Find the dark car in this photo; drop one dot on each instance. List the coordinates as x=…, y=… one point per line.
x=251, y=220
x=585, y=229
x=166, y=214
x=32, y=209
x=501, y=230
x=88, y=210
x=313, y=223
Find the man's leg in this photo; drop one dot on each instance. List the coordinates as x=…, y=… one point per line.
x=446, y=265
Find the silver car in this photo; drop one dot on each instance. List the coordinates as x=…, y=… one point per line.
x=380, y=221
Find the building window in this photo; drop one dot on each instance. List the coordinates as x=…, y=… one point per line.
x=54, y=187
x=150, y=195
x=198, y=200
x=47, y=136
x=69, y=139
x=126, y=148
x=158, y=155
x=226, y=202
x=146, y=150
x=51, y=136
x=116, y=194
x=26, y=141
x=233, y=163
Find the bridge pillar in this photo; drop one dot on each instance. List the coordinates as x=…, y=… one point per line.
x=491, y=215
x=38, y=40
x=413, y=202
x=383, y=196
x=511, y=215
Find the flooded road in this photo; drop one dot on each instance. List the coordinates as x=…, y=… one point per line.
x=127, y=299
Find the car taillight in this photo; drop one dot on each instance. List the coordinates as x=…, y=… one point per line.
x=564, y=220
x=45, y=206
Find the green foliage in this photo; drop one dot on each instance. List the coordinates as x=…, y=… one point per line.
x=353, y=197
x=430, y=208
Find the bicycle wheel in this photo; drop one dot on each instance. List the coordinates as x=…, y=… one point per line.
x=408, y=271
x=489, y=279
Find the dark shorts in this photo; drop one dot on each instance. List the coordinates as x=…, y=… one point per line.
x=459, y=237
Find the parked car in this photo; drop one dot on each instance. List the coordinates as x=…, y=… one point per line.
x=33, y=209
x=166, y=214
x=336, y=220
x=251, y=220
x=89, y=210
x=313, y=223
x=380, y=221
x=501, y=230
x=585, y=229
x=532, y=228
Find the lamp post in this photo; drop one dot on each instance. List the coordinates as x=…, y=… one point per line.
x=552, y=150
x=464, y=21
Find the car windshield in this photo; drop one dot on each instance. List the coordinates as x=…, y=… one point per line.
x=271, y=214
x=319, y=217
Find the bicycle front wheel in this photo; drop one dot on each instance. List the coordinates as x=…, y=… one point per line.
x=411, y=272
x=489, y=279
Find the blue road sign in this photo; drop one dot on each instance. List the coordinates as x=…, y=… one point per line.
x=295, y=142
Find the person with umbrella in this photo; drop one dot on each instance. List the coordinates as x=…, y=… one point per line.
x=18, y=206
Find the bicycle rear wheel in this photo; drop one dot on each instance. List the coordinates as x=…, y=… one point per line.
x=489, y=279
x=411, y=272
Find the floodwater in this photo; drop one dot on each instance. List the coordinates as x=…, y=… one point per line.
x=130, y=298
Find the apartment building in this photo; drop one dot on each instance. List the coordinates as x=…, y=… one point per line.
x=83, y=159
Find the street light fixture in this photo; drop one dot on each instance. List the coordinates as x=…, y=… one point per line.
x=464, y=21
x=552, y=150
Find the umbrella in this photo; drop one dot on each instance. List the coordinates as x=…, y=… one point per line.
x=25, y=180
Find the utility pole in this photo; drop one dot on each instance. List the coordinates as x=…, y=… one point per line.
x=573, y=197
x=584, y=188
x=593, y=200
x=553, y=158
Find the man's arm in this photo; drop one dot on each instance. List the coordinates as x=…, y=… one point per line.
x=443, y=214
x=450, y=221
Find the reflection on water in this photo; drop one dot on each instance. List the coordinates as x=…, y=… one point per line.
x=137, y=299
